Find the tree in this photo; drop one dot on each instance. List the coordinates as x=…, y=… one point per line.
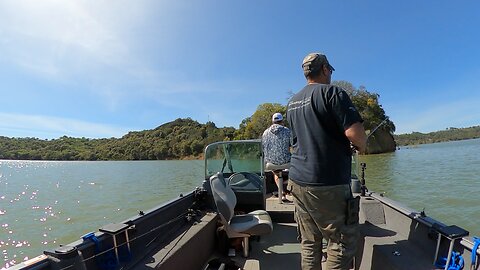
x=253, y=127
x=369, y=107
x=366, y=102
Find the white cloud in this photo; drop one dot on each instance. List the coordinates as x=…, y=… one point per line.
x=47, y=127
x=93, y=46
x=66, y=41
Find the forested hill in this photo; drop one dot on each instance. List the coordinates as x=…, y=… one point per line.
x=179, y=139
x=186, y=138
x=450, y=134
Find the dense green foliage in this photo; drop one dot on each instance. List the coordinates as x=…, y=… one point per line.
x=367, y=104
x=365, y=101
x=186, y=138
x=174, y=140
x=450, y=134
x=253, y=127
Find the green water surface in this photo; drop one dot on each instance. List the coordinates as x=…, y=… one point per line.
x=45, y=204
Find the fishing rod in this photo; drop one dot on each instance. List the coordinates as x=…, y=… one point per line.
x=375, y=129
x=370, y=134
x=363, y=187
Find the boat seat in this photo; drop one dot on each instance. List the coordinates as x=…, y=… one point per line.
x=273, y=167
x=238, y=226
x=277, y=169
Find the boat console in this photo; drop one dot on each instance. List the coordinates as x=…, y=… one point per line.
x=249, y=189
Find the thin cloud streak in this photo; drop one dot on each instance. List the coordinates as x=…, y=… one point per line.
x=465, y=113
x=55, y=127
x=453, y=105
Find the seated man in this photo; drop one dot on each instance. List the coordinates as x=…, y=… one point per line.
x=276, y=146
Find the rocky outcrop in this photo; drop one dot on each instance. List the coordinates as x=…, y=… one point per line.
x=381, y=142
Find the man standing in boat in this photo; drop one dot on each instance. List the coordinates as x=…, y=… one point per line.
x=324, y=124
x=276, y=148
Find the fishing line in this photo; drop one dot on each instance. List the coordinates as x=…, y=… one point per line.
x=375, y=129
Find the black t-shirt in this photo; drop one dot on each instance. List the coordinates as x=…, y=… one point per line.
x=318, y=116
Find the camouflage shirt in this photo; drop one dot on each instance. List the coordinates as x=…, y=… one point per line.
x=276, y=144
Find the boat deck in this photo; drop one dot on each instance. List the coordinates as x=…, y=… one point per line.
x=188, y=232
x=381, y=247
x=280, y=249
x=389, y=240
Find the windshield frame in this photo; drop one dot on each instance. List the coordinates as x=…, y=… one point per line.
x=223, y=151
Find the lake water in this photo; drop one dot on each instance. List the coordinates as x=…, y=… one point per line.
x=44, y=204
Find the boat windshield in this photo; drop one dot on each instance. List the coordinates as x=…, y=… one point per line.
x=234, y=156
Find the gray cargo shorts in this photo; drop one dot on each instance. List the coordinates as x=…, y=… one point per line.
x=320, y=212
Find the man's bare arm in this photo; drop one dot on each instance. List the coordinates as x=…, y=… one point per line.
x=356, y=134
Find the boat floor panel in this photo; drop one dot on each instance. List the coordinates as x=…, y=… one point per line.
x=280, y=212
x=278, y=250
x=382, y=247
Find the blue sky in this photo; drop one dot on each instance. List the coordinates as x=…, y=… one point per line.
x=99, y=69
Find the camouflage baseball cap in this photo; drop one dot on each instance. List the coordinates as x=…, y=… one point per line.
x=314, y=61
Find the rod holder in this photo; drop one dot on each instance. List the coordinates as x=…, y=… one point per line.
x=363, y=187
